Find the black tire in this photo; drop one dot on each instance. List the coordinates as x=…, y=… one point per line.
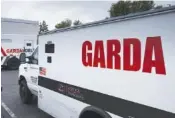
x=25, y=94
x=90, y=114
x=13, y=63
x=4, y=67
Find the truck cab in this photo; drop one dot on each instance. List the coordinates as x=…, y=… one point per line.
x=28, y=76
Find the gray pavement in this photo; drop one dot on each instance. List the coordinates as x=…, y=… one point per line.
x=10, y=96
x=4, y=113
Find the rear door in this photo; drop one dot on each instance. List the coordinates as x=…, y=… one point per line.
x=28, y=47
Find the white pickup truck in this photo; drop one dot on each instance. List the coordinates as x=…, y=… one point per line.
x=119, y=67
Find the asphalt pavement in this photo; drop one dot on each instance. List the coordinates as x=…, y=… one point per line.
x=11, y=99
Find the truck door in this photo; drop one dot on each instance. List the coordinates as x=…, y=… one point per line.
x=32, y=72
x=28, y=47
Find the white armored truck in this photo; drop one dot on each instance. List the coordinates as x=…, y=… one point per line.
x=17, y=36
x=121, y=67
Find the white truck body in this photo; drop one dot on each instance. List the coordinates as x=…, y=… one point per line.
x=119, y=67
x=17, y=36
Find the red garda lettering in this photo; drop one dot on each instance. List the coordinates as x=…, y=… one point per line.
x=11, y=51
x=14, y=50
x=21, y=50
x=17, y=50
x=136, y=57
x=113, y=50
x=8, y=50
x=87, y=57
x=99, y=57
x=153, y=44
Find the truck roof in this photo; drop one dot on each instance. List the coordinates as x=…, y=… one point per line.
x=19, y=21
x=116, y=19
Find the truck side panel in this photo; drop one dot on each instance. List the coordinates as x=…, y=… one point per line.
x=152, y=90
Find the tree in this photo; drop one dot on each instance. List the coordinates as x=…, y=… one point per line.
x=43, y=27
x=77, y=22
x=63, y=24
x=127, y=7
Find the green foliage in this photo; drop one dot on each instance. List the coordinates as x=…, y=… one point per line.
x=127, y=7
x=63, y=24
x=43, y=27
x=77, y=22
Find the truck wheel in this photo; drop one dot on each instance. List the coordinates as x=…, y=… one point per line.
x=13, y=63
x=91, y=114
x=25, y=94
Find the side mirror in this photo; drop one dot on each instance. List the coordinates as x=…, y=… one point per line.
x=22, y=58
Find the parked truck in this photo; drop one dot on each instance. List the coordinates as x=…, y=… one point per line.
x=113, y=68
x=17, y=36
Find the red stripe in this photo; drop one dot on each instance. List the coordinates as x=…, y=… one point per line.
x=3, y=52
